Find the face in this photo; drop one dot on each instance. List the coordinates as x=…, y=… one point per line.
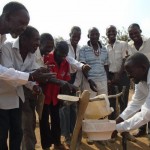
x=94, y=36
x=75, y=37
x=111, y=33
x=134, y=33
x=47, y=47
x=18, y=22
x=62, y=54
x=33, y=42
x=137, y=73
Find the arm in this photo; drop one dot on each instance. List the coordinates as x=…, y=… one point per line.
x=78, y=65
x=74, y=63
x=9, y=74
x=139, y=101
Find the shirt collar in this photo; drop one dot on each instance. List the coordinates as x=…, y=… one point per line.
x=16, y=44
x=116, y=41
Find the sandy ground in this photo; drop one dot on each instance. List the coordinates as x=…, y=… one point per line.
x=141, y=143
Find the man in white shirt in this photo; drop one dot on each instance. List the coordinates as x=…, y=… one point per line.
x=141, y=44
x=68, y=112
x=18, y=55
x=14, y=20
x=137, y=112
x=117, y=76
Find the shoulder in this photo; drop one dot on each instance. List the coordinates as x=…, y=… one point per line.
x=104, y=49
x=85, y=48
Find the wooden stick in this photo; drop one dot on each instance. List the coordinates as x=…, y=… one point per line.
x=99, y=97
x=83, y=102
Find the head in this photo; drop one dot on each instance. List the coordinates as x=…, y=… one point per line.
x=46, y=43
x=61, y=50
x=137, y=66
x=134, y=32
x=29, y=40
x=16, y=18
x=111, y=32
x=75, y=35
x=93, y=35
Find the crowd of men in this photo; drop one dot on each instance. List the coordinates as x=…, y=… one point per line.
x=34, y=64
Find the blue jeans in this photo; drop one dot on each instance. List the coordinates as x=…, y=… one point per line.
x=68, y=119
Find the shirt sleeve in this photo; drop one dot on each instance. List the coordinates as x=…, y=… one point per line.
x=139, y=101
x=82, y=56
x=9, y=74
x=74, y=63
x=78, y=79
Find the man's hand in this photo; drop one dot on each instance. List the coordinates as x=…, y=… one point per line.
x=36, y=90
x=119, y=120
x=93, y=85
x=85, y=68
x=116, y=78
x=67, y=88
x=114, y=134
x=41, y=75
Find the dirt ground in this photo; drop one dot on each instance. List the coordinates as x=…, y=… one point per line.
x=142, y=143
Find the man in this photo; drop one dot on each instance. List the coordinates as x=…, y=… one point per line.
x=14, y=20
x=46, y=46
x=18, y=55
x=117, y=76
x=94, y=54
x=68, y=112
x=137, y=112
x=57, y=58
x=138, y=43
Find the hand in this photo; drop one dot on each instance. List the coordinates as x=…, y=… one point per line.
x=41, y=75
x=92, y=84
x=114, y=134
x=68, y=88
x=36, y=90
x=85, y=68
x=119, y=120
x=116, y=78
x=109, y=82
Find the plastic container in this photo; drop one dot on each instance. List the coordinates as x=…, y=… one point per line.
x=98, y=129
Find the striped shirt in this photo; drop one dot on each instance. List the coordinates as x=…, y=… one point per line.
x=97, y=63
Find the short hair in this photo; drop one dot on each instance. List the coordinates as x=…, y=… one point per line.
x=111, y=26
x=61, y=45
x=13, y=7
x=75, y=28
x=93, y=28
x=46, y=37
x=137, y=59
x=28, y=32
x=134, y=25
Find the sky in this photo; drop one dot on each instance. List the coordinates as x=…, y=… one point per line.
x=58, y=16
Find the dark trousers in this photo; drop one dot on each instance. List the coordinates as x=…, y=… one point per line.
x=29, y=120
x=123, y=100
x=10, y=121
x=50, y=132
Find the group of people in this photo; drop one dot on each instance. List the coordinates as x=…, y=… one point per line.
x=35, y=64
